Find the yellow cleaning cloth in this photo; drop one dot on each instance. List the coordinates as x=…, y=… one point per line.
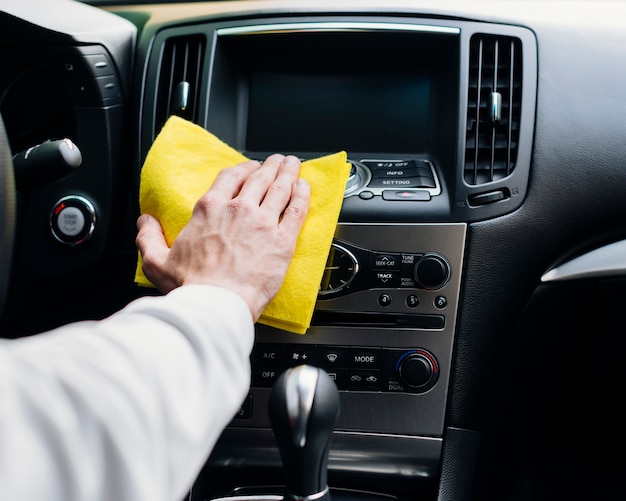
x=181, y=166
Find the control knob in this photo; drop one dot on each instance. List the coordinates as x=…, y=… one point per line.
x=418, y=370
x=432, y=271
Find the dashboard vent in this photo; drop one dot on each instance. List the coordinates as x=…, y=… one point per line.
x=493, y=109
x=179, y=78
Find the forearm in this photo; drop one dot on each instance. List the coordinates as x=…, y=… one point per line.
x=126, y=408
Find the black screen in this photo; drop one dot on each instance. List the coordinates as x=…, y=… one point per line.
x=377, y=111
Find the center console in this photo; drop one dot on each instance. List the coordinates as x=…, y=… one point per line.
x=430, y=114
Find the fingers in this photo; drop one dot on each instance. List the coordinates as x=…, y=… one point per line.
x=269, y=184
x=296, y=212
x=279, y=192
x=257, y=185
x=229, y=182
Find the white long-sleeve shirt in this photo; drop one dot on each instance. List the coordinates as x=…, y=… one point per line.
x=127, y=408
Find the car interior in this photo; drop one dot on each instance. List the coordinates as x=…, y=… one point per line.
x=469, y=316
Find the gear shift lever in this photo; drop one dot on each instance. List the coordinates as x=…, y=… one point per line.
x=303, y=409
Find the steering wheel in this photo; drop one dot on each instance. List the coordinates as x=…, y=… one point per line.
x=7, y=214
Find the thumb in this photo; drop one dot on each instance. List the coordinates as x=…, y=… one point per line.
x=151, y=243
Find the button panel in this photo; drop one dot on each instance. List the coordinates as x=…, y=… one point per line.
x=353, y=368
x=350, y=269
x=402, y=179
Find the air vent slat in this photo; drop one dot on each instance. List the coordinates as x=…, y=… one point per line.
x=493, y=109
x=511, y=109
x=179, y=79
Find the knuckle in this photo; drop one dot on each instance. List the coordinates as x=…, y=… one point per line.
x=206, y=203
x=238, y=207
x=280, y=187
x=232, y=174
x=296, y=211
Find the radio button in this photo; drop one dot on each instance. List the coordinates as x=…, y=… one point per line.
x=384, y=300
x=385, y=279
x=412, y=301
x=386, y=262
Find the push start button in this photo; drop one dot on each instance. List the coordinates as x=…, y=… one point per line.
x=72, y=220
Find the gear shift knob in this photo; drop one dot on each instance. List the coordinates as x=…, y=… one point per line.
x=303, y=409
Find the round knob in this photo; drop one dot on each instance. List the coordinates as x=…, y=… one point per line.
x=360, y=177
x=432, y=271
x=418, y=370
x=72, y=220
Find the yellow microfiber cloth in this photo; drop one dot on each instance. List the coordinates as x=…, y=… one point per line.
x=181, y=166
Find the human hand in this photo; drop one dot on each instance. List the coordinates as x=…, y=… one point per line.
x=242, y=233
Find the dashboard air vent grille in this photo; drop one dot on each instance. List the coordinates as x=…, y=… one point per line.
x=493, y=110
x=179, y=78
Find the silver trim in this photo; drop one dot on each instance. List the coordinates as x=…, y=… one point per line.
x=288, y=497
x=310, y=497
x=251, y=498
x=356, y=270
x=359, y=180
x=300, y=388
x=382, y=455
x=607, y=261
x=496, y=107
x=90, y=221
x=264, y=29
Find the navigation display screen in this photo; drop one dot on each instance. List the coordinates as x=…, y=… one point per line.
x=324, y=92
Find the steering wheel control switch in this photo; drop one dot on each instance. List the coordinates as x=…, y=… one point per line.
x=46, y=162
x=72, y=220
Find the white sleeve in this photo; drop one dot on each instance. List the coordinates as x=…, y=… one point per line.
x=127, y=408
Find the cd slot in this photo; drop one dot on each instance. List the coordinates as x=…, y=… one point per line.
x=370, y=319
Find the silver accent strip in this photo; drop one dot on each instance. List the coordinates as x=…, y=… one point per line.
x=263, y=29
x=607, y=261
x=357, y=182
x=377, y=455
x=251, y=498
x=181, y=96
x=90, y=221
x=300, y=388
x=355, y=262
x=496, y=107
x=311, y=497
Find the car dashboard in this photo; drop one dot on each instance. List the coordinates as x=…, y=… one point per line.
x=477, y=261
